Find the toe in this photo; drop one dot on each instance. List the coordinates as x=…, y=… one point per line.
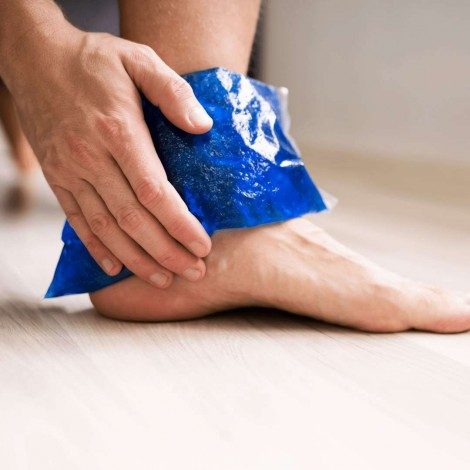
x=449, y=314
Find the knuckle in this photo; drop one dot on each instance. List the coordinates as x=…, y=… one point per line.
x=79, y=150
x=168, y=259
x=92, y=244
x=95, y=49
x=113, y=126
x=104, y=38
x=79, y=191
x=136, y=263
x=129, y=218
x=177, y=227
x=129, y=152
x=150, y=193
x=73, y=217
x=178, y=88
x=100, y=223
x=144, y=53
x=146, y=60
x=148, y=50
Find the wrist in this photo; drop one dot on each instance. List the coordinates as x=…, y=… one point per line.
x=27, y=36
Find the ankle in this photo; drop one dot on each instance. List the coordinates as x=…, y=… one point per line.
x=234, y=269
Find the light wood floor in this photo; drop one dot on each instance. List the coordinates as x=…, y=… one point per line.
x=251, y=389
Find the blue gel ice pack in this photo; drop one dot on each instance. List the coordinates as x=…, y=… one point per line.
x=244, y=172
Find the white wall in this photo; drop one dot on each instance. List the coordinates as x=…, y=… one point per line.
x=374, y=76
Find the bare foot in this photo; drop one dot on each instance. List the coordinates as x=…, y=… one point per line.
x=294, y=266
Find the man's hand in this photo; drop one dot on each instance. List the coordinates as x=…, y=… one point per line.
x=77, y=98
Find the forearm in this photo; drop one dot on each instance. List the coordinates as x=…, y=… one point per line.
x=26, y=27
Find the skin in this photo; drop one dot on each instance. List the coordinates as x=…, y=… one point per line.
x=301, y=269
x=78, y=103
x=193, y=35
x=293, y=265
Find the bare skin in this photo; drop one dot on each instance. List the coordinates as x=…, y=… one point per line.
x=294, y=266
x=77, y=98
x=193, y=35
x=297, y=267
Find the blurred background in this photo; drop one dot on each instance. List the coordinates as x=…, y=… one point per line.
x=370, y=77
x=380, y=106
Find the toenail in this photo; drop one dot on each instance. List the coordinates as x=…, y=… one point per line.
x=192, y=274
x=159, y=279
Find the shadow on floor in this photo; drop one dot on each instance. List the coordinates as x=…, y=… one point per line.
x=25, y=312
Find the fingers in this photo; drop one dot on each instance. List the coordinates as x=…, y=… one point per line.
x=165, y=89
x=105, y=227
x=133, y=150
x=135, y=153
x=108, y=262
x=136, y=223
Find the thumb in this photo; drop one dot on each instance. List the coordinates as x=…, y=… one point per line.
x=166, y=89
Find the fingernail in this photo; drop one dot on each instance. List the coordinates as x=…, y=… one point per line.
x=108, y=265
x=192, y=274
x=159, y=279
x=199, y=117
x=198, y=249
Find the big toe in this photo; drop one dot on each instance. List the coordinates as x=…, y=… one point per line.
x=446, y=313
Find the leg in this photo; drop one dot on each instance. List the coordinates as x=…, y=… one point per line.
x=193, y=35
x=294, y=265
x=18, y=198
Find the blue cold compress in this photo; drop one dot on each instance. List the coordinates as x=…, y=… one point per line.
x=244, y=172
